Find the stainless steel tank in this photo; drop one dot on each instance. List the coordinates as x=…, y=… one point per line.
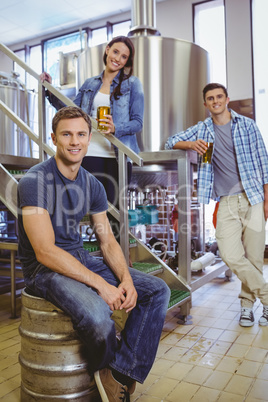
x=21, y=101
x=173, y=73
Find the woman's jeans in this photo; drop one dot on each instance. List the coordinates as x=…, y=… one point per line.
x=91, y=316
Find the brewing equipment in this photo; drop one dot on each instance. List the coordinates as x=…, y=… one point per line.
x=13, y=141
x=173, y=73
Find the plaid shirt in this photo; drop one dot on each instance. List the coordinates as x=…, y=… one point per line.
x=251, y=155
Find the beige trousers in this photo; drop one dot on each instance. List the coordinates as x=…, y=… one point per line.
x=240, y=235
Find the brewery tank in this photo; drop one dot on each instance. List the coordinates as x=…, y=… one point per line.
x=13, y=141
x=173, y=73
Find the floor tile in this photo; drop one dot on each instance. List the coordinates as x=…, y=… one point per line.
x=197, y=375
x=218, y=380
x=183, y=392
x=238, y=351
x=260, y=390
x=229, y=397
x=208, y=358
x=220, y=347
x=205, y=395
x=229, y=364
x=263, y=373
x=256, y=354
x=162, y=387
x=239, y=385
x=179, y=371
x=249, y=369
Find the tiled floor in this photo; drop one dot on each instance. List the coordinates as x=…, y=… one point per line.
x=211, y=358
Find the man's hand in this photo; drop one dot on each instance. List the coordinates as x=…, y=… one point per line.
x=123, y=297
x=265, y=204
x=200, y=146
x=266, y=209
x=114, y=258
x=130, y=293
x=113, y=296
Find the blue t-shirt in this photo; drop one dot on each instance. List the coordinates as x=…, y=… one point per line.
x=67, y=202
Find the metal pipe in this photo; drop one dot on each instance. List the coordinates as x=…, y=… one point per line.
x=143, y=18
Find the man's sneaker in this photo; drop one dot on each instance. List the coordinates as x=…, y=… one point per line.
x=246, y=317
x=264, y=318
x=110, y=390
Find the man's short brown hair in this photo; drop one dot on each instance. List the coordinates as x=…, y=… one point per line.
x=70, y=112
x=214, y=85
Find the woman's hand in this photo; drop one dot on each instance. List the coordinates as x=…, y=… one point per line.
x=45, y=77
x=108, y=122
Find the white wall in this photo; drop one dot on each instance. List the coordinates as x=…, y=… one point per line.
x=174, y=19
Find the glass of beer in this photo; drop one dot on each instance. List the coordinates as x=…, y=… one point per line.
x=206, y=158
x=102, y=111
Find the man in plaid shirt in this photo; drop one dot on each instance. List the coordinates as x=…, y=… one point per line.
x=238, y=177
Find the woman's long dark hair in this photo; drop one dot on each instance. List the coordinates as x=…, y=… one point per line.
x=129, y=64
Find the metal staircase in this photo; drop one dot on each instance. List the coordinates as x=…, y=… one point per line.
x=12, y=167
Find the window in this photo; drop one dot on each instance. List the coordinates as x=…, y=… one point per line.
x=35, y=63
x=121, y=29
x=99, y=36
x=18, y=69
x=260, y=62
x=54, y=47
x=260, y=35
x=209, y=33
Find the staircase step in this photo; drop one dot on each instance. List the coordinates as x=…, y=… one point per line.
x=148, y=267
x=94, y=246
x=91, y=246
x=177, y=296
x=17, y=174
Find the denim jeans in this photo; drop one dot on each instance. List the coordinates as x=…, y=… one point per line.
x=91, y=316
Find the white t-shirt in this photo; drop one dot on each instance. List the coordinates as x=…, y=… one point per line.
x=100, y=146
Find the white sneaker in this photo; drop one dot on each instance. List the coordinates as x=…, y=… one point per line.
x=246, y=317
x=264, y=318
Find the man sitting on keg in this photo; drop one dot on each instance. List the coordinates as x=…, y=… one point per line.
x=53, y=197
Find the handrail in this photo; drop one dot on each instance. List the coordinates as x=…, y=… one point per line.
x=24, y=127
x=115, y=141
x=8, y=190
x=123, y=150
x=126, y=150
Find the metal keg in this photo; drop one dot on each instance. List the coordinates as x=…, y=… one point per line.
x=53, y=366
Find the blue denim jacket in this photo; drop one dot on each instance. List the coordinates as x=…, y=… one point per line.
x=127, y=110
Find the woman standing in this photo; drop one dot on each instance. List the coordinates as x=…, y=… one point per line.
x=116, y=87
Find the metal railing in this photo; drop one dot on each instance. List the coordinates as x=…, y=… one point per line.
x=6, y=180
